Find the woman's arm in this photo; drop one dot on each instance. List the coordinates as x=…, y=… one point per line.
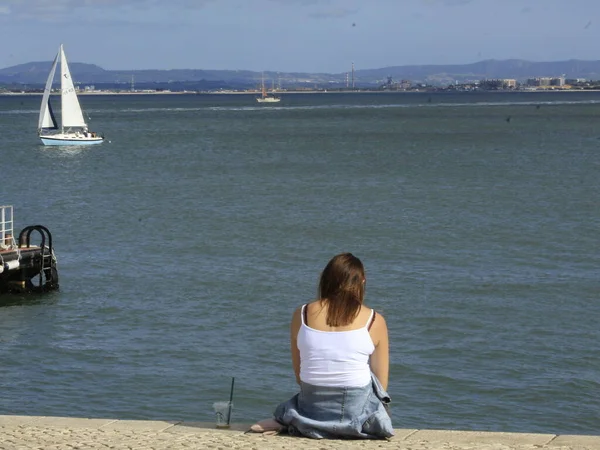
x=380, y=359
x=294, y=328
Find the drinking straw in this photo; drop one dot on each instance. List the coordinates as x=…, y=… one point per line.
x=230, y=400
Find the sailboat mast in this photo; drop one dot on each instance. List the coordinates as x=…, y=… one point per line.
x=62, y=88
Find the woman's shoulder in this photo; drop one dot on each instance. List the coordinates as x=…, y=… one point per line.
x=376, y=315
x=371, y=310
x=375, y=312
x=310, y=305
x=298, y=309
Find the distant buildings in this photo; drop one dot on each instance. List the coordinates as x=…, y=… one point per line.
x=546, y=81
x=391, y=85
x=530, y=83
x=495, y=84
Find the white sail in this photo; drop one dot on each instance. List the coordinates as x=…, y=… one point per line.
x=71, y=110
x=46, y=119
x=73, y=130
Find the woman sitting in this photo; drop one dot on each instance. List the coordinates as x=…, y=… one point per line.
x=340, y=354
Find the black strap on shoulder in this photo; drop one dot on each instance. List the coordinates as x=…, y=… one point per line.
x=372, y=320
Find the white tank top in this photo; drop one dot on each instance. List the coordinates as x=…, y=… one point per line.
x=335, y=358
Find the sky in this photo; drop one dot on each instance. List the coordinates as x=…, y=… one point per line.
x=296, y=35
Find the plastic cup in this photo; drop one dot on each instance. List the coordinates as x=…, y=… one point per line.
x=223, y=413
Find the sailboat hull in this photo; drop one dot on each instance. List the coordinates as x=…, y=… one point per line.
x=70, y=139
x=268, y=100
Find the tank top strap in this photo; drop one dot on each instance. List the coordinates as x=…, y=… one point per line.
x=371, y=319
x=304, y=312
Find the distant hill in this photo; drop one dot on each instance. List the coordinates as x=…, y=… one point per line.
x=511, y=68
x=34, y=74
x=37, y=72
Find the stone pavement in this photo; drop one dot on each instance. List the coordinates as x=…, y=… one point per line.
x=58, y=433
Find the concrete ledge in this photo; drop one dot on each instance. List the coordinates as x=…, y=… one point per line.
x=195, y=427
x=138, y=425
x=480, y=437
x=575, y=441
x=35, y=432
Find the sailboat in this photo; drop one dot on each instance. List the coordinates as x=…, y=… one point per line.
x=73, y=129
x=266, y=98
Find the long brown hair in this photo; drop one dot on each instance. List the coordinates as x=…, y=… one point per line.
x=342, y=286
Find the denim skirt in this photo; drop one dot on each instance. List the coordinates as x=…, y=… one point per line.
x=321, y=412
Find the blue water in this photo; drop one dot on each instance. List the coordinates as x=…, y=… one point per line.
x=186, y=240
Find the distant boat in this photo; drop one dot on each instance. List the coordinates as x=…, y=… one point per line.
x=73, y=129
x=266, y=98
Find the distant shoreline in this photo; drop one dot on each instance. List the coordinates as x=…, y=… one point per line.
x=358, y=91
